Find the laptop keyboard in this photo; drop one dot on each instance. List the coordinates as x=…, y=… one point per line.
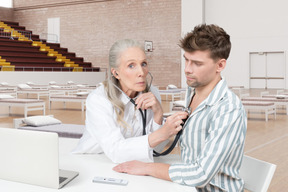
x=62, y=179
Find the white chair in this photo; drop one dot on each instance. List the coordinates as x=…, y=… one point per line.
x=257, y=174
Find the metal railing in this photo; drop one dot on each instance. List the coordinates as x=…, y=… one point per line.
x=50, y=37
x=8, y=33
x=5, y=34
x=56, y=69
x=25, y=33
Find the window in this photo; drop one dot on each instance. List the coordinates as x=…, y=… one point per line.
x=6, y=3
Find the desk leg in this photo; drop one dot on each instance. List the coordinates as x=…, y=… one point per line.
x=44, y=109
x=25, y=111
x=9, y=110
x=266, y=114
x=170, y=106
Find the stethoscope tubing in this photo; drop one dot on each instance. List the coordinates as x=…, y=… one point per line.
x=143, y=115
x=144, y=118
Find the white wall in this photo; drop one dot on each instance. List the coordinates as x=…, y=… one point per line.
x=191, y=15
x=42, y=78
x=258, y=25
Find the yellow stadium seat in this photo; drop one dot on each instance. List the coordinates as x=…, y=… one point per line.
x=8, y=68
x=78, y=69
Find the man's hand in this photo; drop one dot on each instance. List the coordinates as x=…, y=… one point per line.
x=158, y=170
x=132, y=167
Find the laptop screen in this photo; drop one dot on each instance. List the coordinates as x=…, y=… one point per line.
x=29, y=157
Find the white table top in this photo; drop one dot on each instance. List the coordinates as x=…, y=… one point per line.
x=90, y=166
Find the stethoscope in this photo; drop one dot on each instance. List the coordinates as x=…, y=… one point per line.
x=172, y=146
x=143, y=115
x=144, y=118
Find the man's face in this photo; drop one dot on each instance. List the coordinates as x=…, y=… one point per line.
x=200, y=69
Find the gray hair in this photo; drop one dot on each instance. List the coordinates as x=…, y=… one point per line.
x=111, y=83
x=118, y=47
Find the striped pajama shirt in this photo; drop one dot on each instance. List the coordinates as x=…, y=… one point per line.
x=212, y=143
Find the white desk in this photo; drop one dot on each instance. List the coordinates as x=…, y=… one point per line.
x=28, y=104
x=38, y=92
x=68, y=98
x=277, y=102
x=89, y=166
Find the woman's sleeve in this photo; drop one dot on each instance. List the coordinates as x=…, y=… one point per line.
x=152, y=125
x=102, y=125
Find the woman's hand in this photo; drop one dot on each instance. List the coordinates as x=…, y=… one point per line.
x=171, y=127
x=148, y=100
x=173, y=123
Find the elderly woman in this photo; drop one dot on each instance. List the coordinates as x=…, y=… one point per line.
x=124, y=115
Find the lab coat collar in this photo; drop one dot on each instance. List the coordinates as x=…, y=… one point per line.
x=126, y=99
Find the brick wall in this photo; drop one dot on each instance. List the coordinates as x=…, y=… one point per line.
x=89, y=28
x=6, y=14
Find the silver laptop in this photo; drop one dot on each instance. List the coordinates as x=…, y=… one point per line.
x=32, y=157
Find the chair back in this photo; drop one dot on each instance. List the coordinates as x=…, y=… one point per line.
x=257, y=174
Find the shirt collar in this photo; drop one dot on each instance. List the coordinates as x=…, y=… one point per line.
x=125, y=98
x=216, y=94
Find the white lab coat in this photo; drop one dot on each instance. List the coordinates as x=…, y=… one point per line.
x=104, y=134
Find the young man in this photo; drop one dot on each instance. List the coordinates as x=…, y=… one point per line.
x=213, y=138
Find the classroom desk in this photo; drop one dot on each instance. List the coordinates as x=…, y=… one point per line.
x=89, y=166
x=28, y=104
x=277, y=102
x=69, y=98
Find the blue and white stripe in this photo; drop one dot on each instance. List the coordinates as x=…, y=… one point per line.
x=212, y=143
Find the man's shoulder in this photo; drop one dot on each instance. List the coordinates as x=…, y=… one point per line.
x=232, y=99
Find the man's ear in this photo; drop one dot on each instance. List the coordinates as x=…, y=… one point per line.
x=221, y=64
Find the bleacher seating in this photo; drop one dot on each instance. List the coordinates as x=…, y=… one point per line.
x=23, y=49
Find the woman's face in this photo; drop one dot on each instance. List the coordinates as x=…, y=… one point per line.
x=132, y=71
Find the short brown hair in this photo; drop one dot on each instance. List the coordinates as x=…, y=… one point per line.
x=208, y=37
